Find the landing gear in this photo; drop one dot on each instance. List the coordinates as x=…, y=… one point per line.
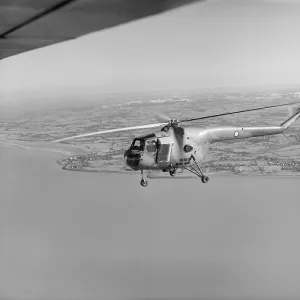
x=172, y=172
x=197, y=171
x=204, y=179
x=143, y=182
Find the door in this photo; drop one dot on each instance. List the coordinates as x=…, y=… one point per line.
x=164, y=150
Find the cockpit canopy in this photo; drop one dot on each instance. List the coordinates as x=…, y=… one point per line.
x=139, y=142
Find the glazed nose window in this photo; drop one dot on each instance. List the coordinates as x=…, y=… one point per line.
x=137, y=145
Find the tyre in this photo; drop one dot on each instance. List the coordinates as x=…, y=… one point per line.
x=172, y=173
x=204, y=179
x=144, y=183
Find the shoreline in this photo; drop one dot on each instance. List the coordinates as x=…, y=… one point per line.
x=158, y=175
x=34, y=147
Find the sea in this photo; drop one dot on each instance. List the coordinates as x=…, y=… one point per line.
x=80, y=235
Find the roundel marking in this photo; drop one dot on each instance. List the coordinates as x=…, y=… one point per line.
x=187, y=148
x=236, y=133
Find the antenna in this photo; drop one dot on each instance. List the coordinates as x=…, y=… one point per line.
x=287, y=138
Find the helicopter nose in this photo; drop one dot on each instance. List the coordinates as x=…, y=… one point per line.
x=126, y=153
x=132, y=158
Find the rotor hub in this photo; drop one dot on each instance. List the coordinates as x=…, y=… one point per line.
x=173, y=122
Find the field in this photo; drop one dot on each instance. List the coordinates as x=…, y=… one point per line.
x=38, y=125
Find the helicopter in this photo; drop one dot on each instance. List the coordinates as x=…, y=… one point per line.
x=176, y=147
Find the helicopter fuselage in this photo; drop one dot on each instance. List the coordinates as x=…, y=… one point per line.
x=175, y=147
x=171, y=147
x=178, y=147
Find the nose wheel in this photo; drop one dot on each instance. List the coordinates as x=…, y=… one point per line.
x=143, y=181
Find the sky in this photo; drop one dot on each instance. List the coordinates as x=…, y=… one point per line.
x=234, y=43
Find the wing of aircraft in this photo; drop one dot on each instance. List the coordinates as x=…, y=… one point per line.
x=29, y=24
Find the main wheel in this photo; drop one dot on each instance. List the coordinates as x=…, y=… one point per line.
x=204, y=179
x=172, y=172
x=144, y=183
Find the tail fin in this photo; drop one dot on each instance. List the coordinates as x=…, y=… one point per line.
x=292, y=119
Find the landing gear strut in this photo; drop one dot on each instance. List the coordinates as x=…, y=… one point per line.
x=144, y=182
x=197, y=171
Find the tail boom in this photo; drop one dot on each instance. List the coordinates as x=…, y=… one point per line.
x=236, y=133
x=231, y=133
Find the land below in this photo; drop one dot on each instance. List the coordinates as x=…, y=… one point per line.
x=272, y=155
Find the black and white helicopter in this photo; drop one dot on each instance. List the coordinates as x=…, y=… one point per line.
x=176, y=147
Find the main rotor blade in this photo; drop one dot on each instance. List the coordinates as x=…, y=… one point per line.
x=109, y=131
x=236, y=112
x=161, y=117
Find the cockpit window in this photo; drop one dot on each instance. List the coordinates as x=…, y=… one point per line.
x=151, y=145
x=138, y=144
x=165, y=128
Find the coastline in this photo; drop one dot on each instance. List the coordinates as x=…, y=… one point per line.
x=69, y=151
